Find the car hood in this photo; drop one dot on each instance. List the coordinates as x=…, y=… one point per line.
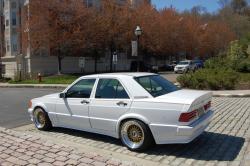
x=181, y=65
x=54, y=95
x=186, y=97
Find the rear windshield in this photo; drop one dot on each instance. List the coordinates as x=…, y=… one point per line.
x=183, y=63
x=156, y=85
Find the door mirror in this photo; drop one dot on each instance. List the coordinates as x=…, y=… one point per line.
x=62, y=95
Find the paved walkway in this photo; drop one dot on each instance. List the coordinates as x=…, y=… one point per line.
x=225, y=143
x=22, y=149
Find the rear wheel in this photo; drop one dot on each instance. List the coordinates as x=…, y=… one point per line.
x=41, y=119
x=135, y=135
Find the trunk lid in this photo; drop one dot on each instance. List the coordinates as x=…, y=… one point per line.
x=195, y=98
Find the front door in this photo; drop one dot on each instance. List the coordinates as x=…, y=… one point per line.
x=111, y=101
x=72, y=111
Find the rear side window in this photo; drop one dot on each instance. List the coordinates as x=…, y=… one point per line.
x=110, y=89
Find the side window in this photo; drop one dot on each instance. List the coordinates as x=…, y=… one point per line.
x=110, y=89
x=149, y=84
x=82, y=89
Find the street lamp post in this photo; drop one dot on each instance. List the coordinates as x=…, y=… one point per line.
x=138, y=33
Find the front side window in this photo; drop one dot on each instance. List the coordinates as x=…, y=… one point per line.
x=156, y=85
x=82, y=89
x=110, y=89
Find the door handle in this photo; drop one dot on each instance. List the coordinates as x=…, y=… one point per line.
x=84, y=102
x=122, y=103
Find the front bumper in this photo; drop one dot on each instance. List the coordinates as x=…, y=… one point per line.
x=173, y=134
x=180, y=70
x=30, y=111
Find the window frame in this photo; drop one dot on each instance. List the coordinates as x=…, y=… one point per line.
x=74, y=83
x=114, y=78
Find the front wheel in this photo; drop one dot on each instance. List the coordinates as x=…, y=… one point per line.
x=135, y=135
x=41, y=120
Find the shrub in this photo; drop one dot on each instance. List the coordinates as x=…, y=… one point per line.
x=243, y=66
x=217, y=62
x=211, y=79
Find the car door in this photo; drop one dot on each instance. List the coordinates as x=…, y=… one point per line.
x=110, y=102
x=72, y=111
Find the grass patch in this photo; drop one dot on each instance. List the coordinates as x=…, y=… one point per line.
x=245, y=77
x=60, y=79
x=244, y=82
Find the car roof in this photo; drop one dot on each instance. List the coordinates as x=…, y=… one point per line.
x=131, y=74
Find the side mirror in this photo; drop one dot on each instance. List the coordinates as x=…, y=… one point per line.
x=62, y=95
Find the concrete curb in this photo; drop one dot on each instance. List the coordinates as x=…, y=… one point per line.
x=231, y=95
x=32, y=86
x=63, y=86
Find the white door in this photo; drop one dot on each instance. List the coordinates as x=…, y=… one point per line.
x=73, y=110
x=110, y=102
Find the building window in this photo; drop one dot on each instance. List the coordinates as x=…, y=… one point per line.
x=7, y=45
x=7, y=22
x=2, y=69
x=14, y=47
x=89, y=3
x=13, y=18
x=13, y=5
x=14, y=31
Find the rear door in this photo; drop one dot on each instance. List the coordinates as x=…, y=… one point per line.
x=110, y=102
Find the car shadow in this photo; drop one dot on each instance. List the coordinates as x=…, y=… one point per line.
x=208, y=146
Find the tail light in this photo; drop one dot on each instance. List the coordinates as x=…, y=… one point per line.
x=187, y=117
x=207, y=106
x=30, y=104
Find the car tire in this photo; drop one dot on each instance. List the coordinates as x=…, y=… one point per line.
x=41, y=120
x=136, y=136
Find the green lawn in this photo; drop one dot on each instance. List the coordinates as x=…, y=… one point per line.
x=62, y=79
x=245, y=77
x=244, y=82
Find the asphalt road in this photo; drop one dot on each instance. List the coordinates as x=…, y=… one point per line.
x=14, y=105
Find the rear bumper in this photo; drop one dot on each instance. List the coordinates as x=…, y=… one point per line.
x=173, y=134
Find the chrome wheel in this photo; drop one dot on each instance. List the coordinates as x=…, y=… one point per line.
x=132, y=134
x=39, y=118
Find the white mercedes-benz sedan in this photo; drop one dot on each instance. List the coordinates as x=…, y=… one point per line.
x=139, y=108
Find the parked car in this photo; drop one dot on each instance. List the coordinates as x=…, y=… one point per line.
x=168, y=67
x=185, y=66
x=144, y=67
x=199, y=64
x=139, y=108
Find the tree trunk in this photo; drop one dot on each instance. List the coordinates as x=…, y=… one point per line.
x=111, y=59
x=95, y=61
x=59, y=58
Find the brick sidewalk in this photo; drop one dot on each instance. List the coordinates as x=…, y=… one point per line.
x=225, y=143
x=22, y=149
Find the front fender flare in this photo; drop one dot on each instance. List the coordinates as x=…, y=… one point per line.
x=41, y=105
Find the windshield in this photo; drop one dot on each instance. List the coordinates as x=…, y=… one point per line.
x=183, y=63
x=156, y=85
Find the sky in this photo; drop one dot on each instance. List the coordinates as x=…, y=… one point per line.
x=180, y=5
